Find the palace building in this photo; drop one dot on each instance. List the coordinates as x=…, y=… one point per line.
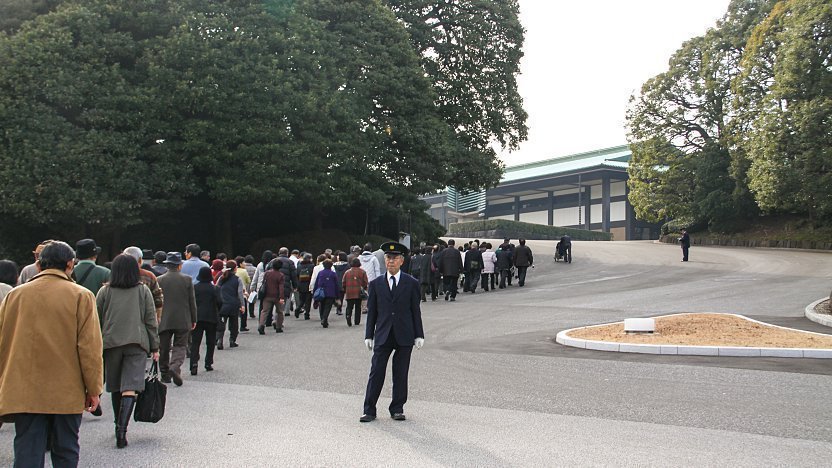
x=583, y=191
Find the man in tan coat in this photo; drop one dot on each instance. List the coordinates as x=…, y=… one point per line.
x=51, y=368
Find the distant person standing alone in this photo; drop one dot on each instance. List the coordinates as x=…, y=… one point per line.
x=685, y=242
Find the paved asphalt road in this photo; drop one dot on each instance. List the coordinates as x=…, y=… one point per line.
x=491, y=388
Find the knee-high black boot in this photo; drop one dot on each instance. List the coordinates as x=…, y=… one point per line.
x=116, y=399
x=124, y=413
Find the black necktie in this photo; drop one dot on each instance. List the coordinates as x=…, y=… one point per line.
x=393, y=288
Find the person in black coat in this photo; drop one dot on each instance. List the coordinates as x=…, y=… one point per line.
x=436, y=285
x=504, y=262
x=394, y=326
x=473, y=268
x=685, y=242
x=207, y=315
x=450, y=266
x=523, y=259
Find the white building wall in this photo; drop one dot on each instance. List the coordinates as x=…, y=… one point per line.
x=509, y=217
x=595, y=213
x=618, y=211
x=536, y=217
x=567, y=216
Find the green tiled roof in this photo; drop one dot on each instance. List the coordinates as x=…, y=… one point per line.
x=616, y=157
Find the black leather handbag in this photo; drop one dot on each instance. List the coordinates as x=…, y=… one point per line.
x=150, y=404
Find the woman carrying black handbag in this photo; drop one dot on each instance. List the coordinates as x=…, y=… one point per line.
x=129, y=330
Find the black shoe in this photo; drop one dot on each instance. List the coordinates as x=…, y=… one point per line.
x=357, y=323
x=287, y=314
x=367, y=417
x=275, y=326
x=233, y=344
x=251, y=315
x=447, y=296
x=165, y=379
x=453, y=299
x=278, y=330
x=306, y=317
x=244, y=329
x=297, y=313
x=177, y=379
x=261, y=330
x=398, y=416
x=209, y=368
x=219, y=346
x=349, y=322
x=325, y=325
x=193, y=370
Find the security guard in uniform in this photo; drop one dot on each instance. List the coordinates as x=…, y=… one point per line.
x=394, y=326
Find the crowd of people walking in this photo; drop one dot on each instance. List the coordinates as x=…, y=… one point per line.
x=170, y=307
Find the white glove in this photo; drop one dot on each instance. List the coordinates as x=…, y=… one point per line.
x=369, y=344
x=419, y=343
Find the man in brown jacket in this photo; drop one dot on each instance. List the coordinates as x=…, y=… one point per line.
x=51, y=368
x=178, y=318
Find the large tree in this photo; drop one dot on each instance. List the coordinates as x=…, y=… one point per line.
x=471, y=50
x=690, y=107
x=785, y=93
x=77, y=151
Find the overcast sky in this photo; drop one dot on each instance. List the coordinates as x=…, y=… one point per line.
x=583, y=60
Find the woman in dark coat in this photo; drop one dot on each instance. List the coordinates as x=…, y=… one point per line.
x=128, y=327
x=207, y=316
x=327, y=280
x=231, y=293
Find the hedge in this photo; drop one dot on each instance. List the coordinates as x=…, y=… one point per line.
x=502, y=228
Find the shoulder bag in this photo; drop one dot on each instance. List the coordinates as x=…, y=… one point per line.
x=150, y=404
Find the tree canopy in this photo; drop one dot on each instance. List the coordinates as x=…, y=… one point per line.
x=740, y=120
x=116, y=112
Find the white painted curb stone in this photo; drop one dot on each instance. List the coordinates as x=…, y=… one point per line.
x=816, y=317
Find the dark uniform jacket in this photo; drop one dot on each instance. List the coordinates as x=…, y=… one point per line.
x=523, y=256
x=473, y=260
x=504, y=258
x=450, y=262
x=394, y=312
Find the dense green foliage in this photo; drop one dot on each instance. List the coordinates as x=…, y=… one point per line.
x=284, y=115
x=740, y=121
x=517, y=229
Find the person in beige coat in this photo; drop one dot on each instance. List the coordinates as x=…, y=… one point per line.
x=51, y=369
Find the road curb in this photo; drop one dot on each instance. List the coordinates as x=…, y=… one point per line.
x=810, y=314
x=687, y=350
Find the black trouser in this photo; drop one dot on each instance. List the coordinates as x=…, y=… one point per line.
x=450, y=284
x=243, y=321
x=305, y=301
x=486, y=281
x=504, y=275
x=473, y=279
x=435, y=287
x=210, y=331
x=354, y=304
x=325, y=307
x=423, y=290
x=521, y=275
x=378, y=369
x=32, y=431
x=231, y=323
x=685, y=253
